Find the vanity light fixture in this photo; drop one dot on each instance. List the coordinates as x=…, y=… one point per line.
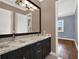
x=31, y=5
x=35, y=8
x=22, y=4
x=26, y=4
x=31, y=9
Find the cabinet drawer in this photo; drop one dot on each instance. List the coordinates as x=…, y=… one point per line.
x=36, y=46
x=4, y=56
x=37, y=54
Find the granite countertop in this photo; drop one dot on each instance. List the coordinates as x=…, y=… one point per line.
x=8, y=46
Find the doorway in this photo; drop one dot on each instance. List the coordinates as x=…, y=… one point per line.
x=66, y=29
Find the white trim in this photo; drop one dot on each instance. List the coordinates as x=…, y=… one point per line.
x=66, y=14
x=65, y=38
x=53, y=53
x=56, y=33
x=71, y=40
x=76, y=44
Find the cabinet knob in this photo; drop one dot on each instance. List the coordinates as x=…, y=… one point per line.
x=38, y=43
x=24, y=58
x=38, y=51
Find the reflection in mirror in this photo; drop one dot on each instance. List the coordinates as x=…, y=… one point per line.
x=27, y=23
x=36, y=21
x=23, y=23
x=5, y=21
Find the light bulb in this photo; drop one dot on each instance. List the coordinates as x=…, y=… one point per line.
x=31, y=9
x=22, y=5
x=31, y=5
x=25, y=2
x=35, y=8
x=40, y=0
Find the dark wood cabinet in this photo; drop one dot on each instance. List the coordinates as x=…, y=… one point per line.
x=46, y=47
x=38, y=50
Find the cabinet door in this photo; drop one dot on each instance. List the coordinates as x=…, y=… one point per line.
x=37, y=54
x=16, y=54
x=4, y=56
x=13, y=55
x=27, y=55
x=46, y=47
x=36, y=50
x=27, y=52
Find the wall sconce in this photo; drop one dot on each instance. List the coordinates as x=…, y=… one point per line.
x=26, y=4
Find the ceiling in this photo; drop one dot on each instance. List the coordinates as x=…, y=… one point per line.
x=65, y=7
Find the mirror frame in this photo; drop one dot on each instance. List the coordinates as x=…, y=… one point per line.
x=20, y=34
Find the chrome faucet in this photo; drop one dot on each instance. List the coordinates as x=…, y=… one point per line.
x=13, y=37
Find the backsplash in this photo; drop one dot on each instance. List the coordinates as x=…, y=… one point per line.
x=5, y=39
x=25, y=36
x=19, y=37
x=16, y=37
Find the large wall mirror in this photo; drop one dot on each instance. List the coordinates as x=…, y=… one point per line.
x=29, y=23
x=17, y=23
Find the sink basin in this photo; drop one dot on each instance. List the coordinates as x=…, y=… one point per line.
x=3, y=46
x=21, y=41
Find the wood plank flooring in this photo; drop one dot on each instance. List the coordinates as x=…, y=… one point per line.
x=67, y=49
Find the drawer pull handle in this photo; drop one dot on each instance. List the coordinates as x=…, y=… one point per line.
x=24, y=58
x=38, y=43
x=38, y=51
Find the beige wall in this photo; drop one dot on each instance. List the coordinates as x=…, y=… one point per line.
x=35, y=22
x=48, y=20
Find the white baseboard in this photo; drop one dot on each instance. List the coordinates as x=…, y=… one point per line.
x=65, y=38
x=76, y=44
x=69, y=39
x=52, y=53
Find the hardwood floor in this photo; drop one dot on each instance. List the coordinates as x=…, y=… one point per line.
x=67, y=49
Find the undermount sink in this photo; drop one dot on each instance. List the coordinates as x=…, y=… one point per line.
x=3, y=46
x=21, y=41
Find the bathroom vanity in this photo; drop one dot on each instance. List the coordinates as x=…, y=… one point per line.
x=32, y=49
